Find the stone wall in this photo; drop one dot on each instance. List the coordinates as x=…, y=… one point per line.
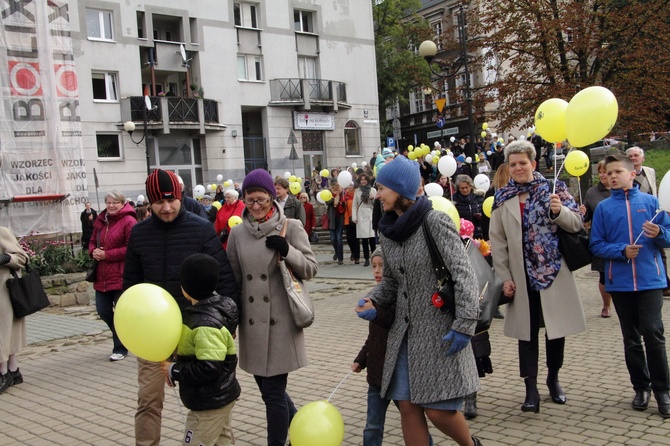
x=65, y=290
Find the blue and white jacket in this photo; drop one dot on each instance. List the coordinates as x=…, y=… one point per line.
x=617, y=222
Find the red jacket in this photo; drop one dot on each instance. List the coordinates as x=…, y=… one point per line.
x=310, y=218
x=224, y=214
x=113, y=232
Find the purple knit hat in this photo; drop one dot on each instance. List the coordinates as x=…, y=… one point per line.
x=259, y=178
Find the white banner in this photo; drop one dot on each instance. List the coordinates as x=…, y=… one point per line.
x=40, y=129
x=313, y=121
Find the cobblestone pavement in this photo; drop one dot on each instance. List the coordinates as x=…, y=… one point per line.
x=73, y=395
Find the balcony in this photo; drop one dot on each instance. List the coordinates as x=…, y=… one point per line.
x=305, y=93
x=173, y=113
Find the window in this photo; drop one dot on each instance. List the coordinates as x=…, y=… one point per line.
x=104, y=87
x=246, y=15
x=416, y=101
x=307, y=68
x=437, y=28
x=249, y=68
x=303, y=21
x=108, y=145
x=99, y=24
x=352, y=138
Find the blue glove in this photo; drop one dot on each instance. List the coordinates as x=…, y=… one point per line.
x=369, y=314
x=458, y=341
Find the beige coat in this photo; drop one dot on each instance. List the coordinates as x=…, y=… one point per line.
x=561, y=306
x=361, y=213
x=12, y=331
x=270, y=343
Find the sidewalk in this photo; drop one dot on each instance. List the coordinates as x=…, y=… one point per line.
x=73, y=395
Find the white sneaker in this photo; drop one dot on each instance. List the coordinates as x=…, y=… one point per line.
x=116, y=357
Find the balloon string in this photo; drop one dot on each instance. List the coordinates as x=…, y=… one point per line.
x=579, y=187
x=338, y=386
x=650, y=221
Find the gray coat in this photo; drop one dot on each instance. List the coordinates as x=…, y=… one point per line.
x=12, y=331
x=561, y=307
x=270, y=343
x=361, y=213
x=410, y=282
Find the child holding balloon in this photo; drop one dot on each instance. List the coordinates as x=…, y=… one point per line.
x=206, y=355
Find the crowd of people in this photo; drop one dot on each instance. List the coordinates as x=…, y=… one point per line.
x=219, y=259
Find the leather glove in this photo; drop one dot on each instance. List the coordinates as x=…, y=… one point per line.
x=277, y=242
x=369, y=314
x=458, y=341
x=4, y=259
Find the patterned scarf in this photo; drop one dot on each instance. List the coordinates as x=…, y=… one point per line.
x=365, y=193
x=542, y=259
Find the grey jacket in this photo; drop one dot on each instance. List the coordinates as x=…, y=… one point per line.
x=410, y=282
x=293, y=208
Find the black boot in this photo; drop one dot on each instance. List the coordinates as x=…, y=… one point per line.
x=532, y=403
x=641, y=400
x=555, y=390
x=6, y=381
x=663, y=401
x=470, y=406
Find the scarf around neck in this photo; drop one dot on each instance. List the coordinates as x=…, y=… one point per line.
x=401, y=227
x=365, y=193
x=542, y=259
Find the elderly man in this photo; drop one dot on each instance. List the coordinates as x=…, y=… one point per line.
x=156, y=249
x=645, y=176
x=293, y=207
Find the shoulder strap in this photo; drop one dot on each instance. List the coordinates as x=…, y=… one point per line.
x=439, y=267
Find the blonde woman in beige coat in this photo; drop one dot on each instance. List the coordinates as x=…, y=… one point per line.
x=525, y=252
x=270, y=345
x=12, y=330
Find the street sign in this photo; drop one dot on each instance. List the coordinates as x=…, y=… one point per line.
x=450, y=131
x=390, y=142
x=440, y=122
x=292, y=139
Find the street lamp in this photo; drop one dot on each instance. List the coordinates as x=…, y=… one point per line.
x=428, y=50
x=129, y=126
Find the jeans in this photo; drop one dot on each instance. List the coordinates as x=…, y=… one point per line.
x=373, y=434
x=336, y=238
x=529, y=350
x=279, y=408
x=639, y=315
x=104, y=305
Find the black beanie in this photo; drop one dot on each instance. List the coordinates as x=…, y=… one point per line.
x=199, y=275
x=161, y=185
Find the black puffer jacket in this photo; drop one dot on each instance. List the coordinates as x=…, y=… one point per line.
x=207, y=356
x=156, y=250
x=373, y=353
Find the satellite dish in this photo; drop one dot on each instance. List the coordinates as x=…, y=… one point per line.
x=147, y=102
x=182, y=51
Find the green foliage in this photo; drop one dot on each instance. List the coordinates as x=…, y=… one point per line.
x=658, y=159
x=50, y=257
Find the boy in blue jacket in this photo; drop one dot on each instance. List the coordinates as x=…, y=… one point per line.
x=629, y=231
x=206, y=355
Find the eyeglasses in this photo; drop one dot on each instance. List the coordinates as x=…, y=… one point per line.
x=112, y=202
x=260, y=201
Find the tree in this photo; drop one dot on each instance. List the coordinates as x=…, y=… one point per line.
x=398, y=30
x=542, y=49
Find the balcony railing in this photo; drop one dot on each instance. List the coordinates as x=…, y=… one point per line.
x=174, y=111
x=320, y=92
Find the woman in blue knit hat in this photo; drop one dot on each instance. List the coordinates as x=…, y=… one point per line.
x=429, y=366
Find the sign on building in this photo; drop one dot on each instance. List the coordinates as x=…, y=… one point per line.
x=313, y=121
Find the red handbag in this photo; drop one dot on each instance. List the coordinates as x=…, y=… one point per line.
x=325, y=222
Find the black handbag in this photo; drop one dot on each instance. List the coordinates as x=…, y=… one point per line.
x=489, y=285
x=91, y=272
x=574, y=246
x=26, y=293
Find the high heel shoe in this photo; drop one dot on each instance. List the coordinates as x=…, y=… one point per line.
x=555, y=390
x=532, y=402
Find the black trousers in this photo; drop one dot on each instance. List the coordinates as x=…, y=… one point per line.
x=368, y=247
x=529, y=350
x=352, y=241
x=279, y=408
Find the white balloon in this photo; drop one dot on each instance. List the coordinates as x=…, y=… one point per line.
x=522, y=137
x=287, y=175
x=482, y=182
x=199, y=191
x=436, y=144
x=219, y=178
x=494, y=134
x=450, y=153
x=344, y=179
x=140, y=198
x=433, y=190
x=210, y=188
x=488, y=153
x=428, y=158
x=447, y=165
x=354, y=165
x=468, y=160
x=664, y=192
x=364, y=164
x=452, y=139
x=231, y=182
x=319, y=199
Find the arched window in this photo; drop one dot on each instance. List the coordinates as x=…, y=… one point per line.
x=352, y=138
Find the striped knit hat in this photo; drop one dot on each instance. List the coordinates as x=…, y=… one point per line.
x=162, y=185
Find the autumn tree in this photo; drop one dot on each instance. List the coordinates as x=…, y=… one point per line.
x=553, y=48
x=398, y=30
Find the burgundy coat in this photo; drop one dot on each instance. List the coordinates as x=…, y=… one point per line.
x=113, y=233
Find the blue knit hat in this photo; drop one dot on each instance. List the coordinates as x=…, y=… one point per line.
x=259, y=178
x=402, y=176
x=387, y=153
x=460, y=158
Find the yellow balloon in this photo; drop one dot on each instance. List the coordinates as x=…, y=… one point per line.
x=292, y=179
x=436, y=159
x=487, y=206
x=577, y=163
x=217, y=205
x=590, y=116
x=326, y=195
x=485, y=126
x=410, y=147
x=234, y=221
x=295, y=188
x=550, y=120
x=148, y=321
x=317, y=423
x=411, y=155
x=227, y=184
x=443, y=205
x=483, y=134
x=325, y=173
